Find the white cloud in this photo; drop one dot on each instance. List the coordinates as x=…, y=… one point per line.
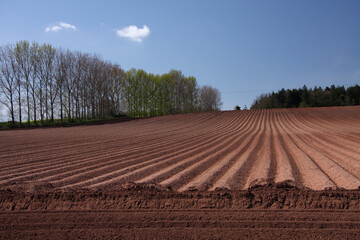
x=134, y=33
x=67, y=25
x=53, y=29
x=60, y=26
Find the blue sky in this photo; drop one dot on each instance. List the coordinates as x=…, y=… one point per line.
x=243, y=48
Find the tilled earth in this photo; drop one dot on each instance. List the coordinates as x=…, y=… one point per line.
x=282, y=173
x=150, y=212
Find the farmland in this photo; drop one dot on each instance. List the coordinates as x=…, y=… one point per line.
x=174, y=165
x=312, y=148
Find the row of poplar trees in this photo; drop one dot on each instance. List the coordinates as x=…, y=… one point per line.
x=41, y=83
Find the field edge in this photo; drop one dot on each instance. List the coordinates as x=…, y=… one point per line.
x=134, y=196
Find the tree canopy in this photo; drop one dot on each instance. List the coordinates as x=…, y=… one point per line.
x=305, y=97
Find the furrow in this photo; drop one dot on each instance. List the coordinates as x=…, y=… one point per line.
x=347, y=159
x=38, y=172
x=87, y=161
x=76, y=144
x=113, y=176
x=312, y=175
x=175, y=166
x=222, y=158
x=259, y=173
x=226, y=180
x=70, y=164
x=347, y=141
x=284, y=170
x=339, y=175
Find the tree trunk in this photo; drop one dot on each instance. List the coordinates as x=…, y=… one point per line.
x=12, y=107
x=61, y=105
x=20, y=119
x=28, y=101
x=34, y=101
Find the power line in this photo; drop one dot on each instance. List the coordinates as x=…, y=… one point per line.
x=247, y=91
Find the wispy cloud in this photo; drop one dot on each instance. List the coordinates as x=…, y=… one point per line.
x=134, y=33
x=53, y=29
x=67, y=25
x=60, y=26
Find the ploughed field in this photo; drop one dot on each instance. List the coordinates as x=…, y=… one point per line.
x=312, y=148
x=236, y=174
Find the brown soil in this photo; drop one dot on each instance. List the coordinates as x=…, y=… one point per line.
x=135, y=211
x=268, y=174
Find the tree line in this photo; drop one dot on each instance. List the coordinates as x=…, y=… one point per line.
x=41, y=83
x=305, y=97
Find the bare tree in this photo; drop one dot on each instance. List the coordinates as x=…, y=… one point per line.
x=61, y=65
x=7, y=79
x=116, y=78
x=36, y=83
x=48, y=89
x=23, y=60
x=210, y=99
x=190, y=97
x=69, y=83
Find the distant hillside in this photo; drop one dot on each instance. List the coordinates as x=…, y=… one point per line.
x=304, y=97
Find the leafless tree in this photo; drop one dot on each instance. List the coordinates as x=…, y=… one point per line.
x=8, y=79
x=61, y=65
x=210, y=99
x=23, y=60
x=48, y=89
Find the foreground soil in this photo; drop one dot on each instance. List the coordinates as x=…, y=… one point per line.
x=149, y=212
x=185, y=224
x=266, y=174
